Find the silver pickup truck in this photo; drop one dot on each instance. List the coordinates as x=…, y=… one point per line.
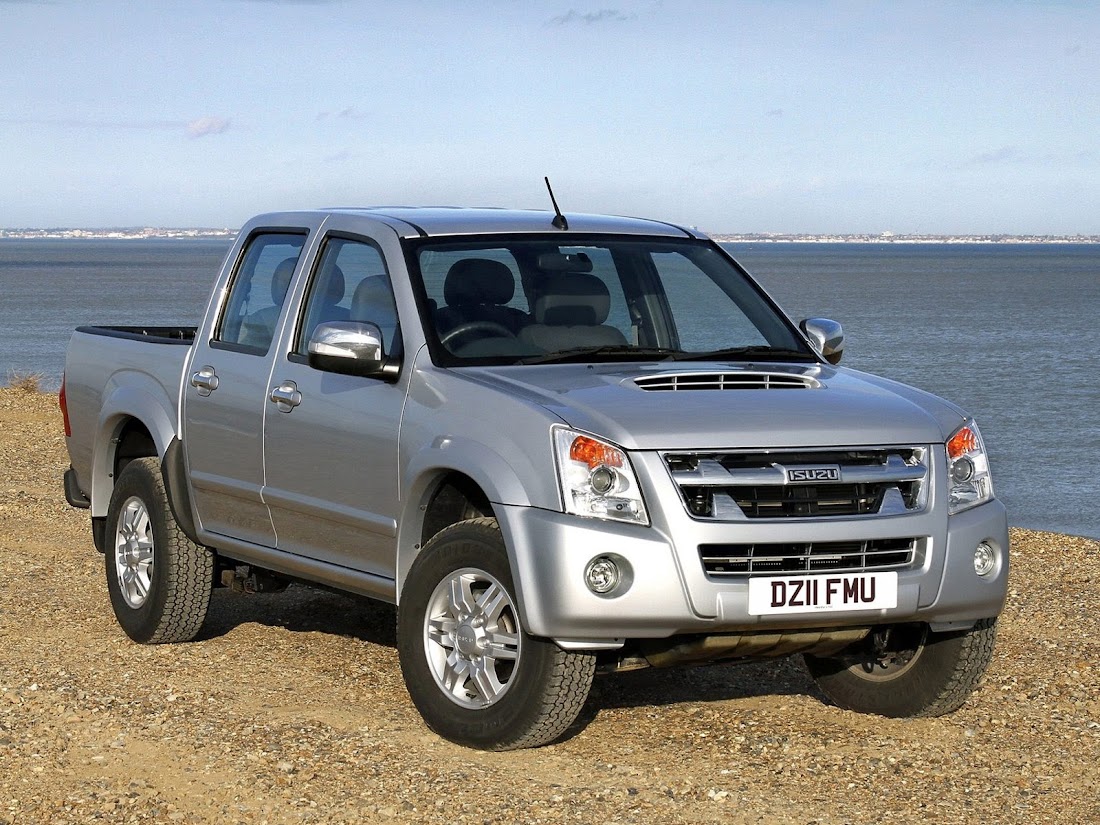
x=561, y=445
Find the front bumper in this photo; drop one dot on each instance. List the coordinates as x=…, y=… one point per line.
x=666, y=591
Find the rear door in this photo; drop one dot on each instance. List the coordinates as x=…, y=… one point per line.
x=225, y=387
x=331, y=452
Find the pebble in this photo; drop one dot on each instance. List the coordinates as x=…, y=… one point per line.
x=309, y=722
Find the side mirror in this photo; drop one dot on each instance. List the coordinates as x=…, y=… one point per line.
x=826, y=336
x=349, y=348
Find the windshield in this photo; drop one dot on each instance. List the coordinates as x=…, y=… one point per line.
x=538, y=299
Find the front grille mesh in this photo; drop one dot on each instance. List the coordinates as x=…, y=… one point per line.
x=761, y=559
x=787, y=502
x=861, y=482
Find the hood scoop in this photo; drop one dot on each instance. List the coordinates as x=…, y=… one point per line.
x=727, y=381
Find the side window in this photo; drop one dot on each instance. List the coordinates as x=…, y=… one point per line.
x=350, y=283
x=257, y=290
x=692, y=295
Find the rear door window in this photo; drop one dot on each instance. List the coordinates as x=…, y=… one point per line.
x=258, y=289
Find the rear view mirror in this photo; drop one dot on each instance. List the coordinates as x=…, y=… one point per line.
x=564, y=262
x=826, y=336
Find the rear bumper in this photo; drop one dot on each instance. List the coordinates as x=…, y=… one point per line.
x=664, y=586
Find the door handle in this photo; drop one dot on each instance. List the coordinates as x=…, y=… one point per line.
x=286, y=396
x=206, y=380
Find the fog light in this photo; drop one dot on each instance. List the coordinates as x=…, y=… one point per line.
x=985, y=559
x=602, y=575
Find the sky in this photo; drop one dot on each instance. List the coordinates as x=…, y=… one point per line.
x=780, y=116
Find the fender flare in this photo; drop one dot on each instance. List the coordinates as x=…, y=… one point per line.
x=493, y=474
x=173, y=469
x=125, y=402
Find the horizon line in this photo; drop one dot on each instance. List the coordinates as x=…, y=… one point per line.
x=211, y=232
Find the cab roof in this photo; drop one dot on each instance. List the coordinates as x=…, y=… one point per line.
x=430, y=221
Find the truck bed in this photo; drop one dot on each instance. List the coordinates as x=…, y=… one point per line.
x=117, y=371
x=153, y=335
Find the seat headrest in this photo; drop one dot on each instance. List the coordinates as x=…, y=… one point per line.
x=280, y=280
x=334, y=289
x=373, y=301
x=474, y=281
x=572, y=299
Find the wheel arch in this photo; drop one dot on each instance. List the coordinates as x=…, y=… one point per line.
x=442, y=495
x=133, y=423
x=438, y=498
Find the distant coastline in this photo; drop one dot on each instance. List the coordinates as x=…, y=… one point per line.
x=892, y=237
x=119, y=234
x=160, y=233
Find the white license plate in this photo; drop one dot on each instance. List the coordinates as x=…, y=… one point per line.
x=822, y=593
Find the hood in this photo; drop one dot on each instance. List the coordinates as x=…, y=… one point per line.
x=728, y=406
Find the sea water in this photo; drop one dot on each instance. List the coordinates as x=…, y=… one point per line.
x=1003, y=330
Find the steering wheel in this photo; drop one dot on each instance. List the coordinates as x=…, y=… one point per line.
x=493, y=328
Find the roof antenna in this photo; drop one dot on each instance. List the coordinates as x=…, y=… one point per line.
x=559, y=221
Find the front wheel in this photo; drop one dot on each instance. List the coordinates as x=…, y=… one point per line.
x=159, y=580
x=907, y=670
x=473, y=673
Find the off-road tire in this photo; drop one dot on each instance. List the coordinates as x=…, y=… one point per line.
x=944, y=670
x=545, y=688
x=159, y=581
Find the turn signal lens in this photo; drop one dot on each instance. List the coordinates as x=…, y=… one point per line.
x=594, y=453
x=962, y=442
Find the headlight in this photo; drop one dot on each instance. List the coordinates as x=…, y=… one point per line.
x=596, y=478
x=968, y=481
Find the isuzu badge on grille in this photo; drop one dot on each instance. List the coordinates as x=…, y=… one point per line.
x=805, y=475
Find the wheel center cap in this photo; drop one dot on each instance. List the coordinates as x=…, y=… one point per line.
x=466, y=640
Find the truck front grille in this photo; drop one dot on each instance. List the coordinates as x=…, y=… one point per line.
x=863, y=482
x=722, y=561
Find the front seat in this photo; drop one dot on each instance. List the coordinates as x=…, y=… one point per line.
x=373, y=303
x=570, y=311
x=477, y=289
x=326, y=307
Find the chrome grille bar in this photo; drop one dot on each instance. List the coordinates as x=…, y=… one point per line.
x=761, y=559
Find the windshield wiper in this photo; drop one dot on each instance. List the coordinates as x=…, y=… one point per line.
x=755, y=353
x=580, y=354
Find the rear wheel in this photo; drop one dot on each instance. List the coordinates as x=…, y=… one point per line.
x=473, y=673
x=159, y=581
x=907, y=670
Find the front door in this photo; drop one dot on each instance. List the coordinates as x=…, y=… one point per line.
x=331, y=448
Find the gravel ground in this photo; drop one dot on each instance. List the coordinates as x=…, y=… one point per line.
x=290, y=708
